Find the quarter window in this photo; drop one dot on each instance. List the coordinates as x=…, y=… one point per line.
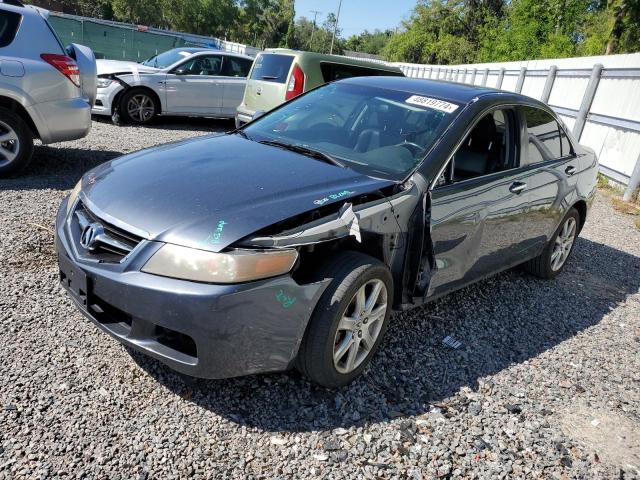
x=547, y=139
x=9, y=23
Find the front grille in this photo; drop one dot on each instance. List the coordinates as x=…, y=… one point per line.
x=99, y=239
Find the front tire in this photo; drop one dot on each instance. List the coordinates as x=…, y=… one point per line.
x=16, y=143
x=554, y=257
x=349, y=321
x=138, y=106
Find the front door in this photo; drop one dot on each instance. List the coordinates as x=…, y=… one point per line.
x=194, y=87
x=479, y=205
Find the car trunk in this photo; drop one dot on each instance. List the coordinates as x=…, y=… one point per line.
x=267, y=85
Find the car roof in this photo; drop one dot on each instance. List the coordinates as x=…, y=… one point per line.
x=194, y=50
x=326, y=57
x=456, y=92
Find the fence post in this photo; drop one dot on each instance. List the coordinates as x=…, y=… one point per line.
x=634, y=182
x=521, y=77
x=548, y=84
x=486, y=76
x=473, y=76
x=455, y=79
x=430, y=72
x=500, y=78
x=587, y=100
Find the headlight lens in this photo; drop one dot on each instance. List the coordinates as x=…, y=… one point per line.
x=231, y=267
x=73, y=196
x=104, y=82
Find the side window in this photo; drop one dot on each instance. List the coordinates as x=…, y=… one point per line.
x=489, y=148
x=338, y=71
x=9, y=23
x=546, y=138
x=202, y=65
x=235, y=67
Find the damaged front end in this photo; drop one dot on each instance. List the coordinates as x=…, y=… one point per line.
x=391, y=225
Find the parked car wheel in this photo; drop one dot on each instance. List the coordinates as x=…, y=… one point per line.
x=554, y=257
x=349, y=320
x=16, y=143
x=138, y=106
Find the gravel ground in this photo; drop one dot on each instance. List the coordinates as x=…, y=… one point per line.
x=546, y=383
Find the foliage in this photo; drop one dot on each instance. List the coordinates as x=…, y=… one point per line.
x=369, y=42
x=469, y=31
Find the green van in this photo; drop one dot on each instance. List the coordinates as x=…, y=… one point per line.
x=279, y=75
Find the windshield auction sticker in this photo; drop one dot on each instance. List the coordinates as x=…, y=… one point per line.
x=434, y=103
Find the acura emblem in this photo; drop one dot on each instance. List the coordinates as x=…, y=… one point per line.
x=90, y=234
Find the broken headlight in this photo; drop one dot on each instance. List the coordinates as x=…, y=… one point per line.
x=71, y=200
x=103, y=82
x=230, y=267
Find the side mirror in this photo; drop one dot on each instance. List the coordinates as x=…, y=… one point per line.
x=257, y=114
x=180, y=71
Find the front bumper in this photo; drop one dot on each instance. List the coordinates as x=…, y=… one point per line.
x=202, y=330
x=105, y=99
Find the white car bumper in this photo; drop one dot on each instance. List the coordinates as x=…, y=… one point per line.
x=61, y=120
x=105, y=99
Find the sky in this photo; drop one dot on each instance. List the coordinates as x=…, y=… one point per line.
x=359, y=15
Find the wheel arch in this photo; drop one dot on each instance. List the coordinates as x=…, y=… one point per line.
x=18, y=109
x=581, y=207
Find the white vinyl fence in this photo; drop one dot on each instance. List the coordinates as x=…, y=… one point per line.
x=597, y=97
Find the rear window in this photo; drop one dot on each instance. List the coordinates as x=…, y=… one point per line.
x=337, y=71
x=271, y=67
x=9, y=23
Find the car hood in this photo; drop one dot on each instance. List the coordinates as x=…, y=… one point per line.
x=208, y=193
x=118, y=66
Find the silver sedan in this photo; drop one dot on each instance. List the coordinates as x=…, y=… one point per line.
x=195, y=82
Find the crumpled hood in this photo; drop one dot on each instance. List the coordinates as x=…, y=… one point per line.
x=117, y=66
x=210, y=192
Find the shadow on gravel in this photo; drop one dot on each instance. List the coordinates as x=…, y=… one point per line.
x=195, y=124
x=501, y=321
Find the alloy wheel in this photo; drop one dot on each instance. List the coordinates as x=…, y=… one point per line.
x=140, y=108
x=9, y=144
x=360, y=326
x=564, y=242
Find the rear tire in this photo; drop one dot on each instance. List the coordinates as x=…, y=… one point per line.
x=16, y=143
x=349, y=321
x=138, y=106
x=554, y=257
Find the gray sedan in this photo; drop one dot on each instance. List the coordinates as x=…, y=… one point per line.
x=289, y=241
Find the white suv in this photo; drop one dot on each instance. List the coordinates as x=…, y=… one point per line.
x=46, y=91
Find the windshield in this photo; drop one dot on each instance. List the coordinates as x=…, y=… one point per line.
x=167, y=58
x=378, y=132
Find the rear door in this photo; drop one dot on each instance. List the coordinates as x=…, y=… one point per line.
x=233, y=78
x=195, y=87
x=553, y=165
x=267, y=84
x=479, y=205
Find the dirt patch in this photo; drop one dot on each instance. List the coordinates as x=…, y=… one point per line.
x=614, y=438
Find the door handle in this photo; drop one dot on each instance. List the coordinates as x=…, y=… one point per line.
x=517, y=187
x=570, y=170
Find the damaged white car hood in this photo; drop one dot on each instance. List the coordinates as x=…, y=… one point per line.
x=118, y=66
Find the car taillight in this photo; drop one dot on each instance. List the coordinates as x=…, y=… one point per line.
x=65, y=65
x=296, y=83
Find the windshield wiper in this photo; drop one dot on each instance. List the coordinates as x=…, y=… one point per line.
x=309, y=152
x=269, y=77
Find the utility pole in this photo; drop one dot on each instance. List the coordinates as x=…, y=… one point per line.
x=313, y=30
x=335, y=27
